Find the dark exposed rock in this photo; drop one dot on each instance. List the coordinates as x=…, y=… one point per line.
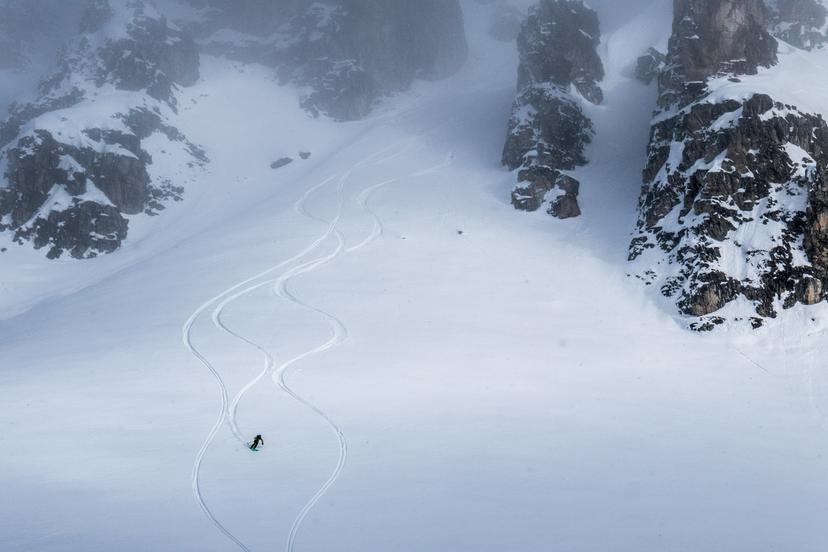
x=84, y=230
x=553, y=133
x=350, y=53
x=154, y=57
x=548, y=130
x=713, y=36
x=802, y=23
x=143, y=122
x=21, y=114
x=279, y=163
x=304, y=155
x=41, y=169
x=733, y=204
x=558, y=45
x=70, y=185
x=40, y=162
x=383, y=45
x=534, y=189
x=752, y=164
x=649, y=66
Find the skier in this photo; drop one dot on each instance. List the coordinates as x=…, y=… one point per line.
x=256, y=442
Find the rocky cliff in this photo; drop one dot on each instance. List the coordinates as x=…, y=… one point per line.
x=649, y=66
x=347, y=54
x=731, y=213
x=548, y=130
x=802, y=23
x=76, y=162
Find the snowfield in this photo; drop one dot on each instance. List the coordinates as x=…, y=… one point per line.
x=430, y=369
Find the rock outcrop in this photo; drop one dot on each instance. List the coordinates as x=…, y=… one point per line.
x=74, y=168
x=77, y=163
x=347, y=54
x=649, y=66
x=720, y=36
x=152, y=55
x=732, y=206
x=548, y=130
x=802, y=23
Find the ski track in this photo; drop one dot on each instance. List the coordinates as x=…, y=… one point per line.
x=223, y=414
x=340, y=334
x=233, y=291
x=228, y=409
x=339, y=330
x=299, y=207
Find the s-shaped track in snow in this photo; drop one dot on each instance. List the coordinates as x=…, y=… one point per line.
x=299, y=207
x=339, y=334
x=222, y=417
x=186, y=334
x=281, y=289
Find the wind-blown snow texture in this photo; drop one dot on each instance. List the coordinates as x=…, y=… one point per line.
x=501, y=389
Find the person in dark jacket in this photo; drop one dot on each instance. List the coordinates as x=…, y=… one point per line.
x=256, y=442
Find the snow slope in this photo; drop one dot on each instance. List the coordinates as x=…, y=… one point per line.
x=503, y=388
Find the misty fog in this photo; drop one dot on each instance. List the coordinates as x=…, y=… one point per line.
x=33, y=31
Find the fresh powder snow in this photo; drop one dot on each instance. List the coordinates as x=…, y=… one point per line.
x=430, y=369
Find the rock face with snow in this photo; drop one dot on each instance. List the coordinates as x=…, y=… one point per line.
x=153, y=54
x=732, y=206
x=548, y=130
x=802, y=23
x=649, y=66
x=347, y=54
x=711, y=36
x=78, y=161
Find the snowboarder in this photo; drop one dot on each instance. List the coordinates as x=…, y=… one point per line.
x=256, y=442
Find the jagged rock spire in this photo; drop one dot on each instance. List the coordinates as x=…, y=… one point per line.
x=548, y=130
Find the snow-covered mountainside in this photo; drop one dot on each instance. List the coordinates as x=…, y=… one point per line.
x=85, y=156
x=100, y=145
x=732, y=208
x=548, y=131
x=430, y=368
